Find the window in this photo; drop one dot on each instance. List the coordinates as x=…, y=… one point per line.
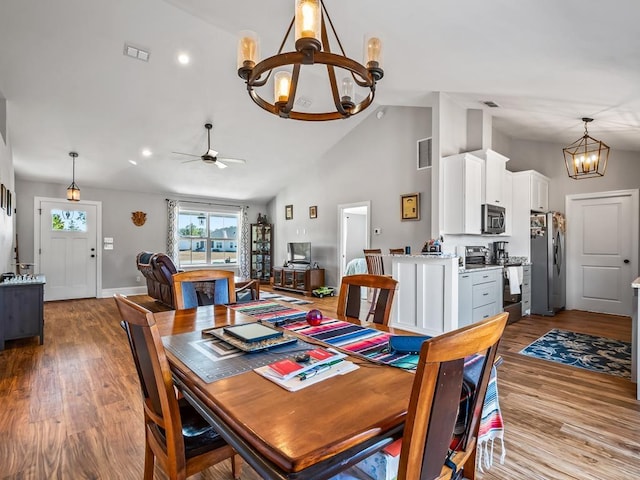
x=68, y=220
x=207, y=238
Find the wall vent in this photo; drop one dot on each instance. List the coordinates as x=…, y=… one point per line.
x=425, y=153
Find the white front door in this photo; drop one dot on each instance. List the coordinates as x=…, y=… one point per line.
x=68, y=253
x=602, y=246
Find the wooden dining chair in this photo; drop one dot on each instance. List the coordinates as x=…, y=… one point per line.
x=210, y=287
x=435, y=398
x=375, y=266
x=175, y=433
x=350, y=298
x=396, y=251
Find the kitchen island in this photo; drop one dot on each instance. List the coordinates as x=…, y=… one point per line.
x=427, y=297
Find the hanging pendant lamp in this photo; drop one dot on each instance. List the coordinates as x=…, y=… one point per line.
x=586, y=157
x=73, y=192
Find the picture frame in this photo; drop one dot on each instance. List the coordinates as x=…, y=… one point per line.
x=410, y=206
x=3, y=196
x=313, y=211
x=9, y=197
x=288, y=212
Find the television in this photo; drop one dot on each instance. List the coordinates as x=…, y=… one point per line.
x=299, y=254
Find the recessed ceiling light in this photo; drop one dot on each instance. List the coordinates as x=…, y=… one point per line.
x=184, y=59
x=133, y=162
x=146, y=152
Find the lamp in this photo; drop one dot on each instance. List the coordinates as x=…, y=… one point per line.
x=311, y=47
x=73, y=192
x=586, y=157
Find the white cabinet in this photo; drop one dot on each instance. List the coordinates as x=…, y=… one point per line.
x=539, y=192
x=479, y=295
x=508, y=201
x=462, y=194
x=494, y=166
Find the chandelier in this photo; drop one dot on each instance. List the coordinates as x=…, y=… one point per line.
x=311, y=48
x=73, y=192
x=586, y=157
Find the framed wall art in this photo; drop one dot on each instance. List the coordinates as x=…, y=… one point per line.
x=288, y=212
x=410, y=206
x=3, y=196
x=9, y=202
x=313, y=211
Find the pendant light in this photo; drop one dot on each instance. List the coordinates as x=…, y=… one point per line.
x=586, y=157
x=73, y=192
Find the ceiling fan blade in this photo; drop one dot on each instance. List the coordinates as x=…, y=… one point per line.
x=219, y=164
x=233, y=160
x=191, y=161
x=187, y=154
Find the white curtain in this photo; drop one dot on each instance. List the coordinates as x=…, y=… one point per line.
x=244, y=267
x=172, y=232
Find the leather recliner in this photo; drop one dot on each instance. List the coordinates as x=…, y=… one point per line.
x=158, y=270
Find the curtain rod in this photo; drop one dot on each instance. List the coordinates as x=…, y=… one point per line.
x=207, y=203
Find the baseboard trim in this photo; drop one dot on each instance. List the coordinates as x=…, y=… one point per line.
x=110, y=292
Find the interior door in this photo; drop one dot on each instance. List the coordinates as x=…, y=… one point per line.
x=602, y=256
x=68, y=249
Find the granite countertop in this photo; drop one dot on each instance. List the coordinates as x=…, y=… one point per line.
x=481, y=267
x=636, y=283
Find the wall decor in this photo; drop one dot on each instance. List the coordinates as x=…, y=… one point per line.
x=288, y=212
x=410, y=206
x=313, y=211
x=138, y=218
x=3, y=195
x=9, y=202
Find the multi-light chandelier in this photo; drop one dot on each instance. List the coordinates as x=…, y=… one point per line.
x=311, y=47
x=586, y=157
x=73, y=192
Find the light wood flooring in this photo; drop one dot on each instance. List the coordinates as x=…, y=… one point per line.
x=71, y=409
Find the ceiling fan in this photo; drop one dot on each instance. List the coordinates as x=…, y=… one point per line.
x=211, y=156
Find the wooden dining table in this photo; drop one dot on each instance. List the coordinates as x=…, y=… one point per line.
x=312, y=433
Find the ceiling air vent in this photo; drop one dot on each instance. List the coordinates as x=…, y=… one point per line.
x=135, y=52
x=491, y=104
x=425, y=153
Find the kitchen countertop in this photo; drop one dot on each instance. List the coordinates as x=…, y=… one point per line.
x=481, y=267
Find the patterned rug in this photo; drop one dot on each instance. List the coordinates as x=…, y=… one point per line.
x=597, y=354
x=283, y=298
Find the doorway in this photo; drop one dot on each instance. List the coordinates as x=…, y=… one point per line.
x=353, y=233
x=66, y=247
x=602, y=251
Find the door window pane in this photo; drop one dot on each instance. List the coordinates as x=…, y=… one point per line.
x=69, y=220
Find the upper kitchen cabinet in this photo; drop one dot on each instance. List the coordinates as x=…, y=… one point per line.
x=539, y=192
x=462, y=194
x=494, y=166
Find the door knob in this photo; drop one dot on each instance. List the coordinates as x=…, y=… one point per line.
x=93, y=249
x=92, y=255
x=626, y=260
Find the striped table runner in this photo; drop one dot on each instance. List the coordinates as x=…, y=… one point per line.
x=372, y=344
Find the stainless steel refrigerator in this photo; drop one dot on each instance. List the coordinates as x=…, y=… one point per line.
x=548, y=284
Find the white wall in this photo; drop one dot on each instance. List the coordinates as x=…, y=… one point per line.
x=377, y=162
x=118, y=265
x=7, y=223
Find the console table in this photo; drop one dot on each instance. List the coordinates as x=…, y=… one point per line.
x=21, y=310
x=297, y=280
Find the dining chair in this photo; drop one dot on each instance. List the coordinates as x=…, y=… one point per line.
x=350, y=298
x=430, y=450
x=375, y=266
x=396, y=251
x=176, y=435
x=210, y=287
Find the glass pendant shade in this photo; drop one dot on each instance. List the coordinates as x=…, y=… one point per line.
x=308, y=18
x=73, y=192
x=586, y=157
x=281, y=86
x=248, y=50
x=372, y=51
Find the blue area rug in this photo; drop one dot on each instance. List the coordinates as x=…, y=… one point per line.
x=597, y=354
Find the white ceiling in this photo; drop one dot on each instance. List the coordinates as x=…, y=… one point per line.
x=69, y=86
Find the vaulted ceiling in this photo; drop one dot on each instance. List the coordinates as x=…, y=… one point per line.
x=69, y=86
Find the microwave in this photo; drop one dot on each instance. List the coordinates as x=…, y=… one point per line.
x=493, y=219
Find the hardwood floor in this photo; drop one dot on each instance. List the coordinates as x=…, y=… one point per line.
x=71, y=409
